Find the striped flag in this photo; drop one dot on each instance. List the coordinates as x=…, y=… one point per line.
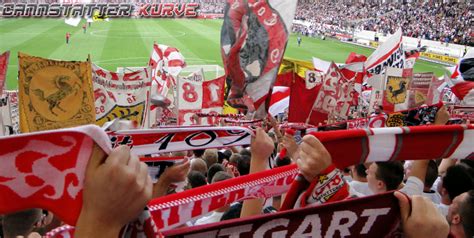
x=3, y=69
x=166, y=63
x=253, y=41
x=280, y=100
x=388, y=54
x=463, y=79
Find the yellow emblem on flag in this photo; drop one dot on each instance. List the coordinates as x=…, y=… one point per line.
x=96, y=16
x=420, y=97
x=54, y=94
x=396, y=90
x=132, y=113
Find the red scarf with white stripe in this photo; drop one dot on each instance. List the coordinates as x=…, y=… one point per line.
x=359, y=146
x=61, y=149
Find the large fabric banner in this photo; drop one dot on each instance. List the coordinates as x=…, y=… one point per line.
x=395, y=94
x=253, y=41
x=336, y=95
x=54, y=94
x=165, y=64
x=304, y=82
x=280, y=100
x=418, y=89
x=424, y=115
x=3, y=69
x=195, y=95
x=170, y=139
x=47, y=169
x=121, y=95
x=9, y=114
x=389, y=54
x=374, y=216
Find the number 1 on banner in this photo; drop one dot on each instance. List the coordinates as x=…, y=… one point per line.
x=213, y=93
x=214, y=88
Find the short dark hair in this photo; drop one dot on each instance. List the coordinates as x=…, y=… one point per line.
x=246, y=152
x=283, y=161
x=227, y=154
x=221, y=176
x=198, y=153
x=213, y=170
x=243, y=165
x=391, y=173
x=466, y=211
x=220, y=157
x=431, y=174
x=20, y=223
x=361, y=170
x=458, y=179
x=196, y=179
x=234, y=158
x=233, y=212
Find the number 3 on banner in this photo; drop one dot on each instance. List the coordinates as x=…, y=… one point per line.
x=188, y=119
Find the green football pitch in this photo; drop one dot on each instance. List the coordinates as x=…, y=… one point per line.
x=128, y=43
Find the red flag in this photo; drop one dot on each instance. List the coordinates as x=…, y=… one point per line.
x=463, y=89
x=355, y=58
x=253, y=41
x=280, y=100
x=336, y=95
x=463, y=79
x=3, y=69
x=301, y=102
x=197, y=95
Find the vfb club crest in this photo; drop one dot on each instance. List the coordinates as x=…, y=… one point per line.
x=396, y=90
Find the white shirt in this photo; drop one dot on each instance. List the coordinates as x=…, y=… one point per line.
x=433, y=196
x=413, y=186
x=361, y=187
x=443, y=209
x=214, y=217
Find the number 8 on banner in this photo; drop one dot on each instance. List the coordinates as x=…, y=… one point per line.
x=189, y=95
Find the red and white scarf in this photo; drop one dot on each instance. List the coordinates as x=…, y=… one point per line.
x=47, y=169
x=154, y=141
x=374, y=216
x=381, y=144
x=176, y=209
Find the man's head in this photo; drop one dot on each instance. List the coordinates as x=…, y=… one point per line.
x=210, y=157
x=196, y=179
x=431, y=174
x=20, y=223
x=243, y=165
x=198, y=153
x=384, y=176
x=199, y=165
x=461, y=214
x=359, y=172
x=213, y=170
x=221, y=176
x=234, y=158
x=457, y=180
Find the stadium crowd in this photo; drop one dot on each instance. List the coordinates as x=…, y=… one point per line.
x=441, y=191
x=451, y=23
